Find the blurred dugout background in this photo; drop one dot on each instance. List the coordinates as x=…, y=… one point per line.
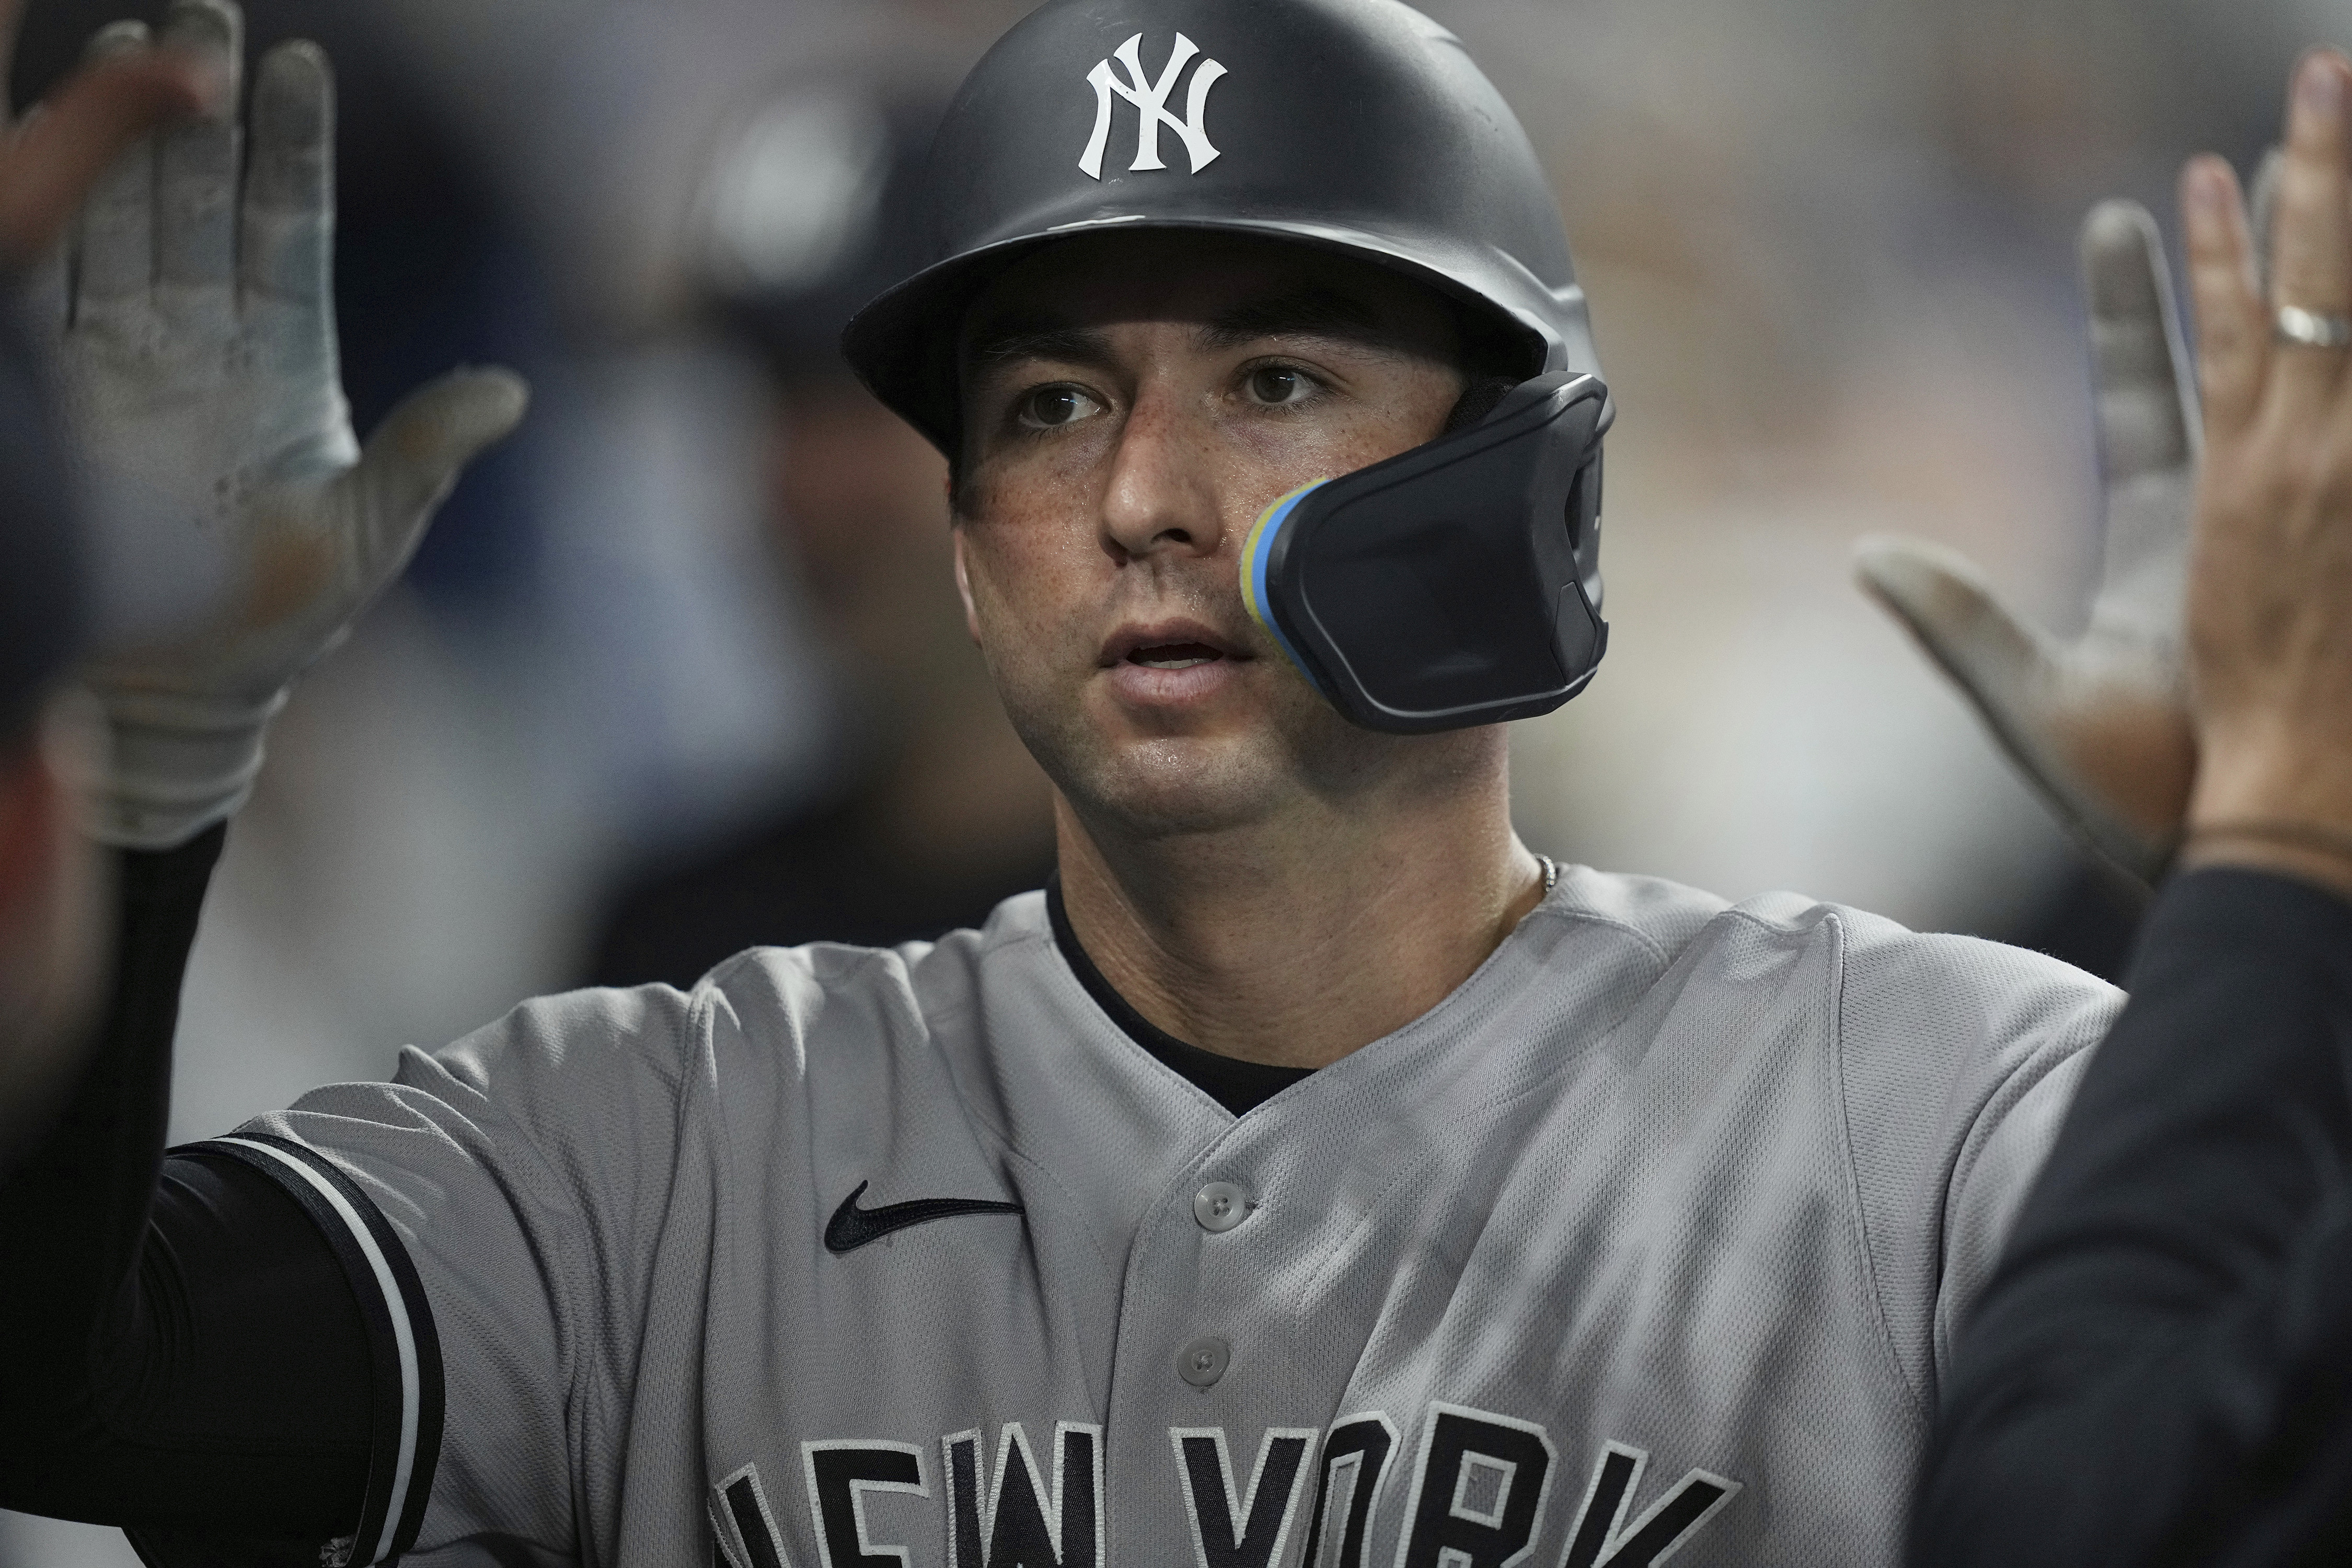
x=1829, y=245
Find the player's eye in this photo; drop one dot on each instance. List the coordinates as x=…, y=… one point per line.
x=1050, y=407
x=1280, y=386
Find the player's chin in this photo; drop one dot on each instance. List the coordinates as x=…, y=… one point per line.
x=1202, y=781
x=1158, y=796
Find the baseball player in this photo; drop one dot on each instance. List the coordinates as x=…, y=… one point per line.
x=1310, y=1175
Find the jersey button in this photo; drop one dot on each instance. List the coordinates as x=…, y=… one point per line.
x=1219, y=1206
x=1203, y=1360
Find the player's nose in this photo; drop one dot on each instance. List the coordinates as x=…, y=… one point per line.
x=1161, y=496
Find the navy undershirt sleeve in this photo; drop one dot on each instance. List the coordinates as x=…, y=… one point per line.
x=180, y=1349
x=2161, y=1370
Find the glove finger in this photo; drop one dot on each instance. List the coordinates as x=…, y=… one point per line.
x=286, y=249
x=1945, y=604
x=2147, y=408
x=2149, y=421
x=114, y=249
x=195, y=171
x=2017, y=681
x=414, y=457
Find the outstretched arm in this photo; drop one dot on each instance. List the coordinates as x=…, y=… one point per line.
x=189, y=1359
x=2158, y=1372
x=188, y=1355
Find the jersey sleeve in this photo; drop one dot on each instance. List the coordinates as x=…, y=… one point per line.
x=1959, y=1058
x=500, y=1204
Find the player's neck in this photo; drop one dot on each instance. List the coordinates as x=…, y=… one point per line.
x=1277, y=945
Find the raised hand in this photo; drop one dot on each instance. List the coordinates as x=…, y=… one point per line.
x=199, y=358
x=2100, y=725
x=2270, y=607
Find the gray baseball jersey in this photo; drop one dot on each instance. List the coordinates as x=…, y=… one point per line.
x=1647, y=1242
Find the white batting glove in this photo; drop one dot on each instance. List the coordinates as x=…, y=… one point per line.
x=2099, y=725
x=199, y=360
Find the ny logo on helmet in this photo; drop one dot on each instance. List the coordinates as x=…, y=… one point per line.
x=1150, y=99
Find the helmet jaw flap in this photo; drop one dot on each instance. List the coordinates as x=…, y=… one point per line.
x=1456, y=583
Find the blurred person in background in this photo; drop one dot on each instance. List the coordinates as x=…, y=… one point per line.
x=53, y=888
x=936, y=812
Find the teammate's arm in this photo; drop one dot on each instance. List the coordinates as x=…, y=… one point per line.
x=188, y=1353
x=185, y=1353
x=2157, y=1373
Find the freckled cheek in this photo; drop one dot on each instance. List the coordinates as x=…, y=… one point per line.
x=1267, y=461
x=1260, y=467
x=1035, y=586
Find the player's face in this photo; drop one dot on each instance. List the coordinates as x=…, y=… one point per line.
x=1131, y=403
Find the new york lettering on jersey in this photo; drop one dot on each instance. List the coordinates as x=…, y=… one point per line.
x=1478, y=1492
x=1643, y=1246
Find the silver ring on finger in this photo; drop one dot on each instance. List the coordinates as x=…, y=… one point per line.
x=2310, y=329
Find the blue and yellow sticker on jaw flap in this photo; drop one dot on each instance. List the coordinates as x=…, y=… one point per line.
x=1255, y=555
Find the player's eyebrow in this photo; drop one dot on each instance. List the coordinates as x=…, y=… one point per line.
x=1009, y=341
x=1308, y=311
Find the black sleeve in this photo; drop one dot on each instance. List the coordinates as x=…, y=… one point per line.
x=182, y=1351
x=2161, y=1370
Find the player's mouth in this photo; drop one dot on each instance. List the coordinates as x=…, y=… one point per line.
x=1170, y=664
x=1173, y=656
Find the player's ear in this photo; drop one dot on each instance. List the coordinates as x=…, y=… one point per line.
x=964, y=588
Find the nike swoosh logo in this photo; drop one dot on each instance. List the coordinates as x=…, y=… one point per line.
x=852, y=1227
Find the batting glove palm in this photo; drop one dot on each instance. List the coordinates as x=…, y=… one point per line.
x=2099, y=725
x=198, y=353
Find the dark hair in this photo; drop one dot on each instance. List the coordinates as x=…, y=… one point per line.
x=44, y=600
